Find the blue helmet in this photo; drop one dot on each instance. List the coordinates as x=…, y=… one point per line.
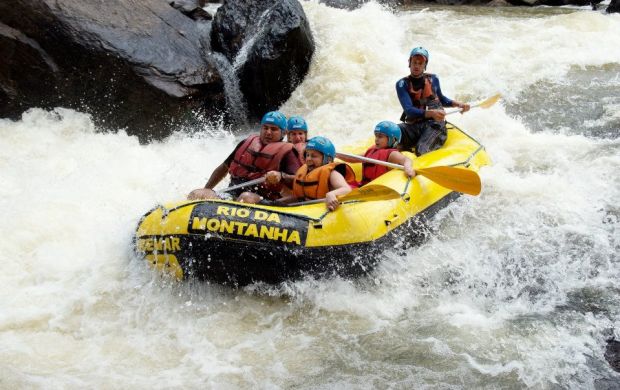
x=420, y=51
x=297, y=123
x=275, y=118
x=322, y=145
x=391, y=130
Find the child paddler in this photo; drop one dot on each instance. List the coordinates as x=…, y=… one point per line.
x=320, y=177
x=387, y=137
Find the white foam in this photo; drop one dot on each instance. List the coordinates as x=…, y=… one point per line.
x=488, y=299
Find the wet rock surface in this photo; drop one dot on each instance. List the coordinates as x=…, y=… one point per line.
x=270, y=45
x=144, y=66
x=612, y=354
x=191, y=8
x=133, y=65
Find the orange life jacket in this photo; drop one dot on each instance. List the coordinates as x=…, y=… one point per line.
x=372, y=171
x=315, y=184
x=253, y=159
x=425, y=97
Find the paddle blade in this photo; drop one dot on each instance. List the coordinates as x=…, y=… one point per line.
x=490, y=101
x=455, y=179
x=366, y=193
x=371, y=192
x=486, y=103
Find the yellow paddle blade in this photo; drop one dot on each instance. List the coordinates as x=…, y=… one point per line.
x=455, y=179
x=490, y=101
x=486, y=103
x=366, y=193
x=370, y=192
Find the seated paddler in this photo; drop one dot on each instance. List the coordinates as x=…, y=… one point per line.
x=320, y=177
x=387, y=138
x=297, y=134
x=252, y=158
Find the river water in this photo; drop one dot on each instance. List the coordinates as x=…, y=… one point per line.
x=516, y=288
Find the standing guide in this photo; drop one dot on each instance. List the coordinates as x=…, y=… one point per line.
x=423, y=126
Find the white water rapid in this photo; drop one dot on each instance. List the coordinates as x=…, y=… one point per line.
x=516, y=288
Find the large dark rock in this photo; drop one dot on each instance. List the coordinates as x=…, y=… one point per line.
x=612, y=354
x=344, y=4
x=191, y=8
x=134, y=64
x=269, y=43
x=28, y=75
x=614, y=6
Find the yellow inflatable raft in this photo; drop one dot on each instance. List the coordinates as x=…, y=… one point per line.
x=236, y=243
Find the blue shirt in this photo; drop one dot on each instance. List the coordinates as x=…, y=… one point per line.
x=405, y=99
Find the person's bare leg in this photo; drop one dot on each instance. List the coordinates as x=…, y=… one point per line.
x=249, y=197
x=202, y=193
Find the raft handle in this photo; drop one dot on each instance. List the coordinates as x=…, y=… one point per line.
x=388, y=222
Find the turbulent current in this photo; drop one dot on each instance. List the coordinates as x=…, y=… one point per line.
x=516, y=288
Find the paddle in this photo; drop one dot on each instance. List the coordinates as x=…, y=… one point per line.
x=366, y=193
x=244, y=184
x=455, y=179
x=486, y=103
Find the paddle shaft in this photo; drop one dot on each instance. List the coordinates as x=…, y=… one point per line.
x=244, y=184
x=371, y=160
x=456, y=179
x=307, y=202
x=458, y=109
x=486, y=103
